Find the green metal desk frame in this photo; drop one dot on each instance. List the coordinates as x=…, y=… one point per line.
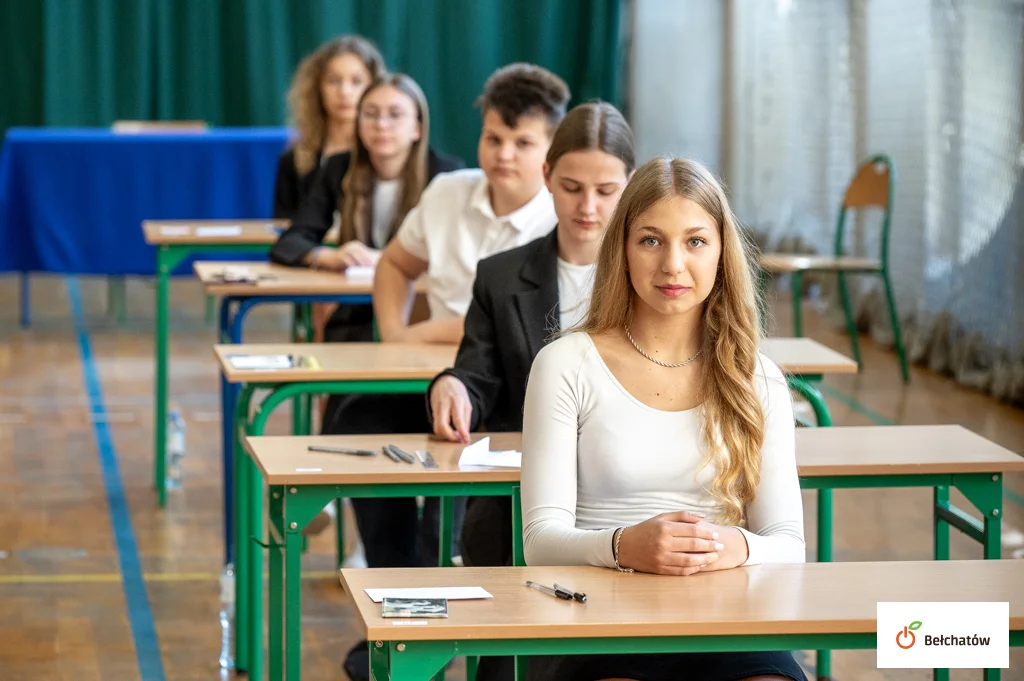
x=248, y=494
x=168, y=257
x=420, y=660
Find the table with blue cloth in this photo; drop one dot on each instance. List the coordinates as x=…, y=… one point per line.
x=72, y=200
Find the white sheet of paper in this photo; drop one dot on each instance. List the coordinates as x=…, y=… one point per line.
x=249, y=362
x=219, y=230
x=360, y=272
x=452, y=593
x=479, y=454
x=175, y=230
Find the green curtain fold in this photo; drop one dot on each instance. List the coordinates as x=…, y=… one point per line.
x=229, y=62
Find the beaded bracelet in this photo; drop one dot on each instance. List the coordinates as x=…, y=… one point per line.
x=615, y=551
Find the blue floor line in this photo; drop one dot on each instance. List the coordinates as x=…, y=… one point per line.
x=140, y=616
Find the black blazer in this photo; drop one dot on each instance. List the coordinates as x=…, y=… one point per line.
x=513, y=314
x=315, y=215
x=291, y=186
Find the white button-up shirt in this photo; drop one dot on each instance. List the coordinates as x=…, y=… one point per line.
x=453, y=227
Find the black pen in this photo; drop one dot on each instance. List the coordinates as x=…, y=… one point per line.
x=341, y=450
x=557, y=593
x=390, y=454
x=576, y=595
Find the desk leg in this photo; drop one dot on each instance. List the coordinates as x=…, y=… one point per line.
x=243, y=533
x=254, y=509
x=167, y=258
x=339, y=531
x=276, y=585
x=228, y=397
x=824, y=664
x=163, y=271
x=293, y=603
x=941, y=538
x=254, y=497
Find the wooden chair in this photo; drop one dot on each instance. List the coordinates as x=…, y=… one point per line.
x=872, y=187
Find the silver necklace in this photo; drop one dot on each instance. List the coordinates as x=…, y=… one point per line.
x=664, y=364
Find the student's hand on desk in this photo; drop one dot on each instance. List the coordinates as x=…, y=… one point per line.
x=670, y=544
x=735, y=552
x=450, y=405
x=353, y=254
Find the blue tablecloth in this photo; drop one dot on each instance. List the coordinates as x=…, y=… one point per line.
x=73, y=200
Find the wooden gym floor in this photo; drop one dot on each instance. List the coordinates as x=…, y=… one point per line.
x=77, y=508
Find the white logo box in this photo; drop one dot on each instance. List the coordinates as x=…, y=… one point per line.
x=952, y=635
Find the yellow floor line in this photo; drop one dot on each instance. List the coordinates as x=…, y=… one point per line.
x=150, y=577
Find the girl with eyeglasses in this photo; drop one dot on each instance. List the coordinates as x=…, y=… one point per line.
x=374, y=186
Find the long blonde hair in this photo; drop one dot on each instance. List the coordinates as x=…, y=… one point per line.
x=305, y=105
x=733, y=418
x=357, y=185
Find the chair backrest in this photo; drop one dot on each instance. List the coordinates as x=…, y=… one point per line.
x=871, y=187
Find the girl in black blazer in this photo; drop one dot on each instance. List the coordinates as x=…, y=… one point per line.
x=322, y=104
x=524, y=296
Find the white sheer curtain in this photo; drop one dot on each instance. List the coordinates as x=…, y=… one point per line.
x=816, y=86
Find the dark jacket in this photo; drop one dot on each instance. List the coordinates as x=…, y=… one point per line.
x=514, y=313
x=315, y=215
x=291, y=186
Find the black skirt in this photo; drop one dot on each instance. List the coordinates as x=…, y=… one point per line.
x=665, y=667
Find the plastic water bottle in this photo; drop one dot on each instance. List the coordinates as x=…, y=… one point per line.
x=227, y=615
x=175, y=448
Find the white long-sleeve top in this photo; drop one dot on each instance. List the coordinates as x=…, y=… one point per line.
x=595, y=459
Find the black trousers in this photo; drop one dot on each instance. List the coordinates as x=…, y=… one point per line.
x=393, y=532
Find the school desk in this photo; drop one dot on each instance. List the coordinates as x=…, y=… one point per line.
x=302, y=482
x=763, y=607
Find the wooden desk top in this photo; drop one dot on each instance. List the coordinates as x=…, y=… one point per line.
x=280, y=280
x=342, y=361
x=899, y=450
x=284, y=460
x=794, y=262
x=183, y=232
x=820, y=452
x=760, y=599
x=395, y=361
x=806, y=356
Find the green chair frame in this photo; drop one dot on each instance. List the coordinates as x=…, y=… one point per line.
x=873, y=186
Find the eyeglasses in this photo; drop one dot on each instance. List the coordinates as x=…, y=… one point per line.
x=383, y=116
